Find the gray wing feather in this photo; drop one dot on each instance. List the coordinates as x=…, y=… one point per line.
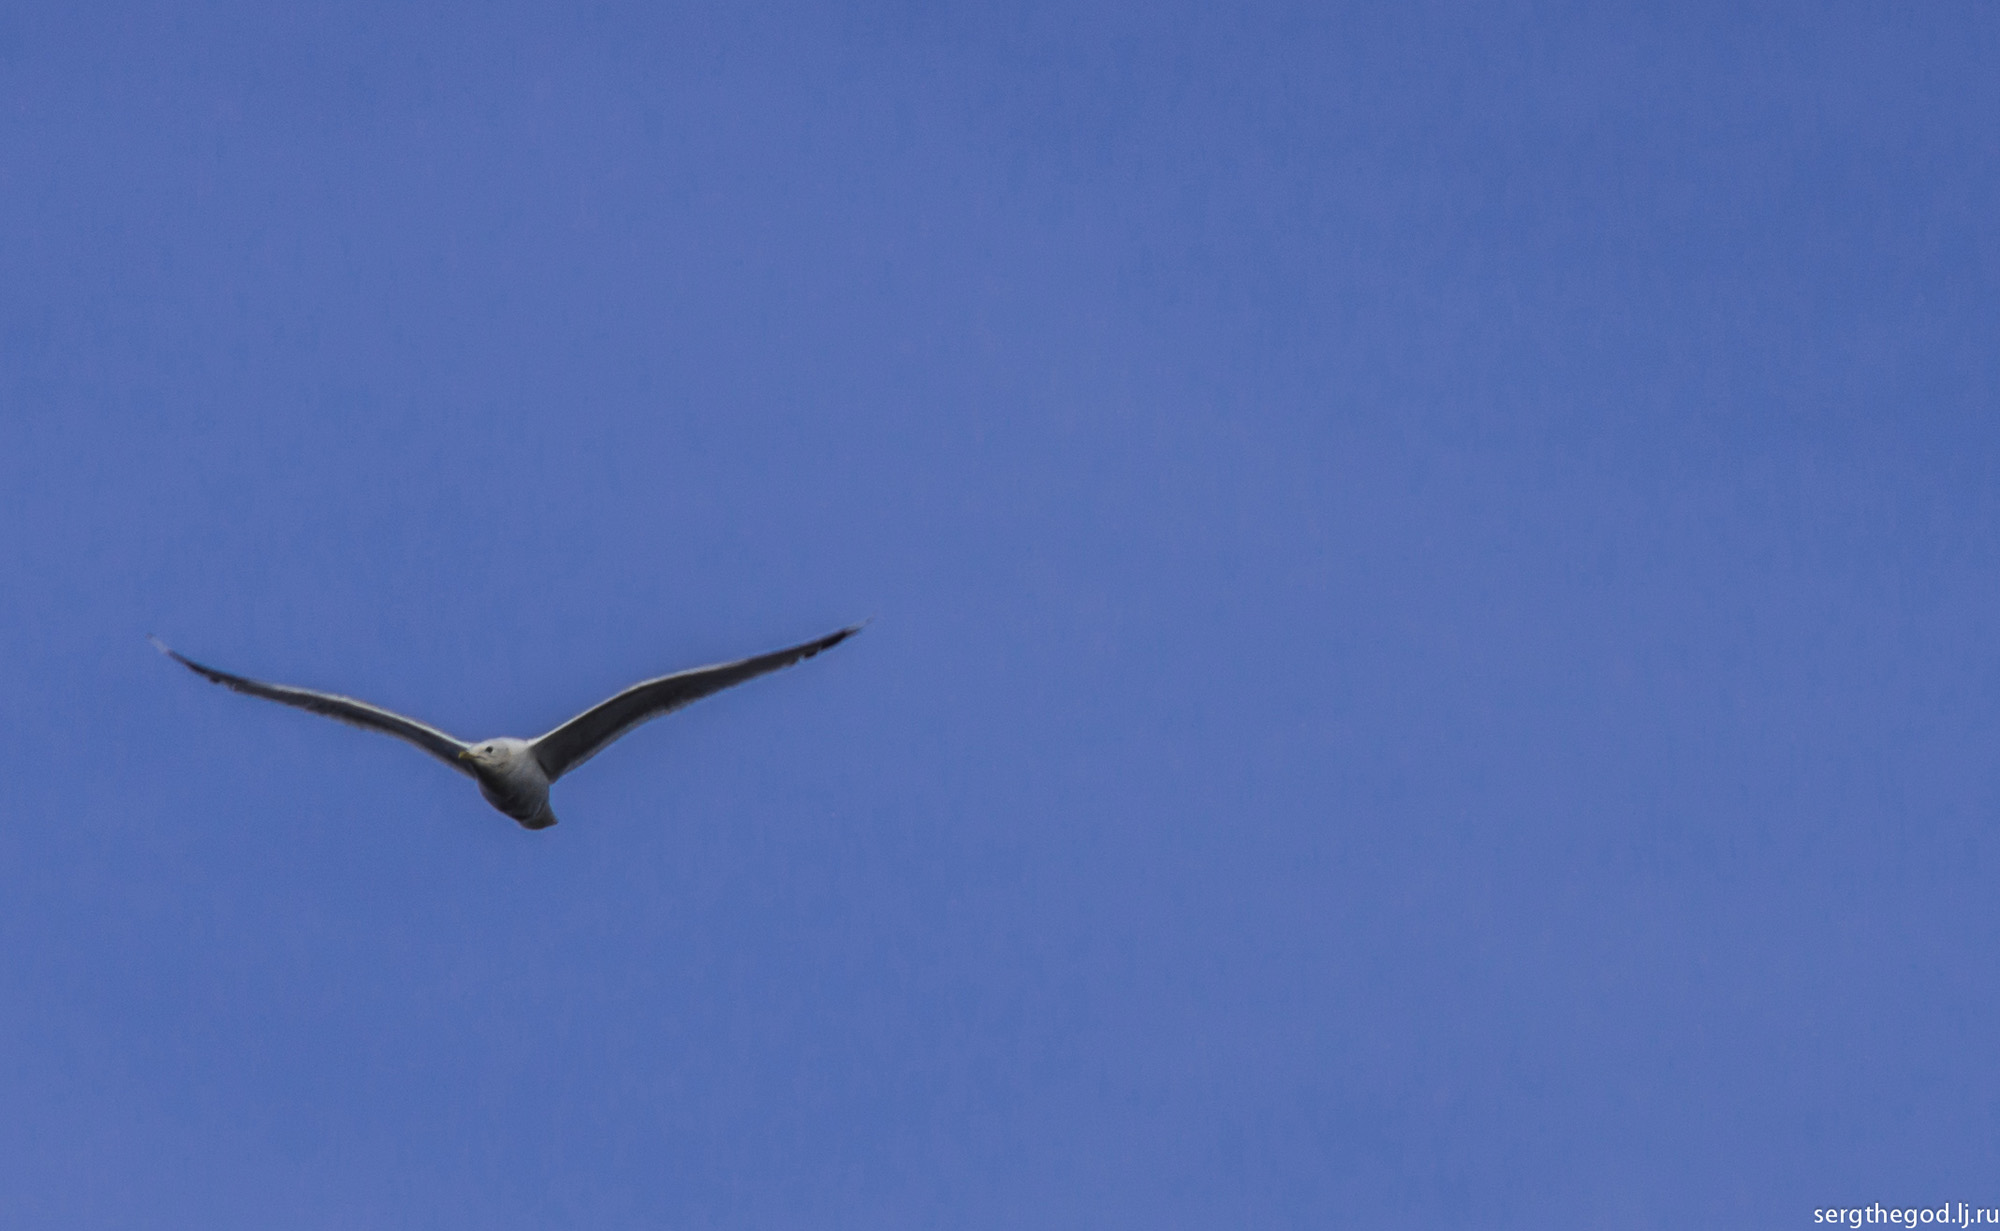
x=346, y=709
x=585, y=735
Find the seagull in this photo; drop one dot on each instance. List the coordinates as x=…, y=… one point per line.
x=514, y=774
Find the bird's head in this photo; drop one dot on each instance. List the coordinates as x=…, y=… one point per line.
x=483, y=756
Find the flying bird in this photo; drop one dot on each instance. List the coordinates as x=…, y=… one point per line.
x=514, y=774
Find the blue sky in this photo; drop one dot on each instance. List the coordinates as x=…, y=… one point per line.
x=1433, y=573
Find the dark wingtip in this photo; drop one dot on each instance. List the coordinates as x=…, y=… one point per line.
x=208, y=673
x=833, y=639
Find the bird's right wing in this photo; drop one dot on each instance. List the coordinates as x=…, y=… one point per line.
x=346, y=709
x=583, y=736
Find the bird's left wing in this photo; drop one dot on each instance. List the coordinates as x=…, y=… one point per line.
x=583, y=736
x=346, y=709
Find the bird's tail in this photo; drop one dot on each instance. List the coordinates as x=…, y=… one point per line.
x=541, y=820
